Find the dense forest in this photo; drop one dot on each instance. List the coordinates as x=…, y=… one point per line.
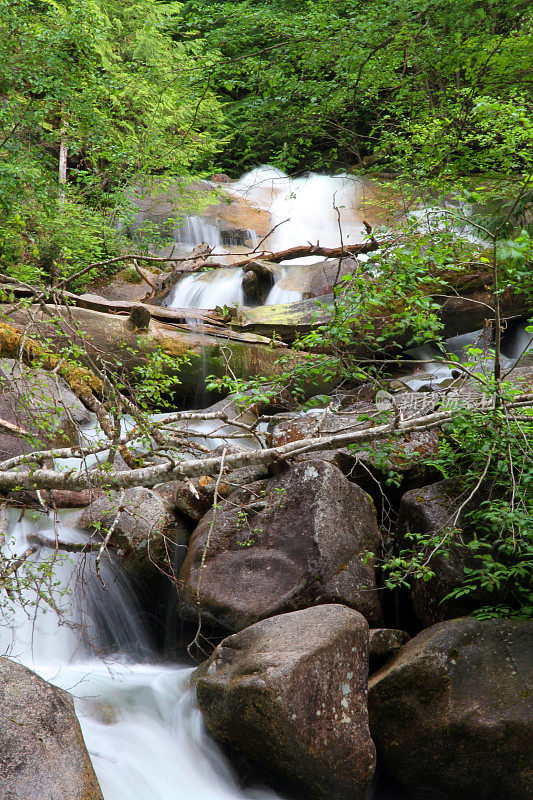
x=266, y=296
x=430, y=93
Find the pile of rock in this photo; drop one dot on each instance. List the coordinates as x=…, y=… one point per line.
x=449, y=714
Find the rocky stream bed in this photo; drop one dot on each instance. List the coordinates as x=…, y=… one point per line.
x=315, y=681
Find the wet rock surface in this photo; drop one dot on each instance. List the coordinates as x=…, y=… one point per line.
x=290, y=693
x=451, y=714
x=40, y=408
x=42, y=752
x=146, y=530
x=296, y=540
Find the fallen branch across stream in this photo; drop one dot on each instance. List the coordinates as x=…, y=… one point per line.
x=171, y=469
x=302, y=251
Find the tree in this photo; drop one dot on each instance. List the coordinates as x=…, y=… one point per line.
x=327, y=84
x=95, y=92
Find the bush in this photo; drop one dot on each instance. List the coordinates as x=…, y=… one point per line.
x=38, y=245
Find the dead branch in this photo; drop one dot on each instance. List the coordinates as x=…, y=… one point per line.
x=59, y=544
x=179, y=470
x=301, y=251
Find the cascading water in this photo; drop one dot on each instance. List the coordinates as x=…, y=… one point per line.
x=208, y=290
x=313, y=208
x=141, y=725
x=316, y=207
x=279, y=295
x=515, y=344
x=194, y=230
x=142, y=728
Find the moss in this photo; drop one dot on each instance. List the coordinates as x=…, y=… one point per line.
x=130, y=275
x=81, y=380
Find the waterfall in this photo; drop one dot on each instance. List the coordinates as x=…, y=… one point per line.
x=516, y=342
x=140, y=722
x=195, y=229
x=312, y=208
x=208, y=290
x=313, y=205
x=278, y=295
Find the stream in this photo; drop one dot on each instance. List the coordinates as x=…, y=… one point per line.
x=141, y=725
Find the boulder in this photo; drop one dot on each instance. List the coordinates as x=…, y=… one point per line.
x=146, y=531
x=38, y=409
x=431, y=510
x=220, y=177
x=42, y=752
x=195, y=497
x=296, y=540
x=368, y=464
x=316, y=280
x=451, y=714
x=111, y=336
x=383, y=643
x=290, y=694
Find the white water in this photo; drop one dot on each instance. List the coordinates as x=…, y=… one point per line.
x=515, y=343
x=195, y=230
x=194, y=291
x=305, y=208
x=310, y=209
x=141, y=725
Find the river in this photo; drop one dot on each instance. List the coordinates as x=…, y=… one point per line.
x=142, y=727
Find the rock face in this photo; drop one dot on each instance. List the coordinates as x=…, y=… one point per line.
x=451, y=714
x=195, y=497
x=290, y=542
x=290, y=693
x=366, y=464
x=146, y=530
x=42, y=752
x=111, y=336
x=315, y=280
x=41, y=406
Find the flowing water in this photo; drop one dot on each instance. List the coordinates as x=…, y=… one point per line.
x=207, y=290
x=311, y=209
x=516, y=343
x=140, y=722
x=314, y=209
x=141, y=725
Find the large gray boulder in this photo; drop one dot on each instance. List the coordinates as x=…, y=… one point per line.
x=42, y=752
x=296, y=540
x=290, y=693
x=39, y=408
x=451, y=714
x=145, y=532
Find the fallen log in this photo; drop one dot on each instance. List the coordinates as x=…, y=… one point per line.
x=302, y=251
x=207, y=321
x=463, y=309
x=153, y=475
x=110, y=339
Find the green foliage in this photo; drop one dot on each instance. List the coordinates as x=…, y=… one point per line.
x=39, y=246
x=104, y=78
x=157, y=377
x=489, y=456
x=438, y=86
